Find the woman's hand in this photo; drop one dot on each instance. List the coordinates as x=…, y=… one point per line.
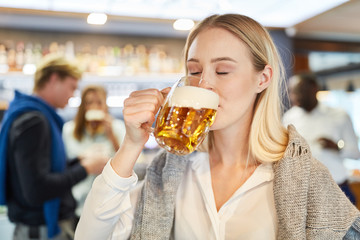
x=139, y=113
x=93, y=161
x=328, y=144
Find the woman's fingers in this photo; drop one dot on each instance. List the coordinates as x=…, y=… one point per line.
x=146, y=93
x=143, y=101
x=139, y=112
x=138, y=118
x=140, y=107
x=165, y=91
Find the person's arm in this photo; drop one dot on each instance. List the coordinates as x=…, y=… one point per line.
x=108, y=213
x=31, y=148
x=109, y=207
x=93, y=163
x=139, y=115
x=328, y=144
x=328, y=203
x=114, y=141
x=119, y=130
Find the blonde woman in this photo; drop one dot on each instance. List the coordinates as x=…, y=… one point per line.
x=257, y=180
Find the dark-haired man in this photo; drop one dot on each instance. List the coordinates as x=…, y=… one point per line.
x=328, y=131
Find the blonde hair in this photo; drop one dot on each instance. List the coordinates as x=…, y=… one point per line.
x=79, y=120
x=54, y=64
x=267, y=138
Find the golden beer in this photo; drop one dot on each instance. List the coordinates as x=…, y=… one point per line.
x=185, y=119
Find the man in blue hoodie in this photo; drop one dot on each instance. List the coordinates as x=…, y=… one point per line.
x=35, y=176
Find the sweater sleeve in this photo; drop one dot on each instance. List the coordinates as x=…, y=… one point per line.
x=309, y=204
x=329, y=211
x=31, y=150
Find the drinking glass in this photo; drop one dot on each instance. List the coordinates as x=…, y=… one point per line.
x=185, y=117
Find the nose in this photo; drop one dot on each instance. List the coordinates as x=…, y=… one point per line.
x=204, y=83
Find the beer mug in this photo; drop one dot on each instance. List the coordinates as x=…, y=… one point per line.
x=185, y=117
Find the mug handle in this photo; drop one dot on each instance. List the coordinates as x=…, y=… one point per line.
x=165, y=92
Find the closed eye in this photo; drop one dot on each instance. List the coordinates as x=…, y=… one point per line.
x=221, y=73
x=195, y=73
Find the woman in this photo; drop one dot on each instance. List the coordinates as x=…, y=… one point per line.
x=92, y=132
x=93, y=124
x=256, y=180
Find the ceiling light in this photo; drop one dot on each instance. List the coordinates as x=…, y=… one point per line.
x=183, y=24
x=270, y=13
x=97, y=18
x=290, y=32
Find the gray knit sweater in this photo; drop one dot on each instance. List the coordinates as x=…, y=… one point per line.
x=309, y=204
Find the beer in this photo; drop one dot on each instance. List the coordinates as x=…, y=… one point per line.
x=185, y=119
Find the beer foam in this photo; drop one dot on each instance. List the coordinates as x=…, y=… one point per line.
x=94, y=115
x=194, y=97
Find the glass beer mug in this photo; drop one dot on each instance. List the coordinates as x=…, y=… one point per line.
x=185, y=117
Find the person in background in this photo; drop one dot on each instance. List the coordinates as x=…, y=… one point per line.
x=35, y=180
x=255, y=179
x=92, y=132
x=329, y=131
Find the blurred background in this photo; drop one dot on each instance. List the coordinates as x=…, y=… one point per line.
x=131, y=45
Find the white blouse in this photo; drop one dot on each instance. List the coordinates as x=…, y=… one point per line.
x=331, y=123
x=249, y=214
x=100, y=141
x=97, y=144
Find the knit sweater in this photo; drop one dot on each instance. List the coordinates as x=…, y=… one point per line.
x=309, y=204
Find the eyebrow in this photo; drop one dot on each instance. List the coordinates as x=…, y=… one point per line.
x=214, y=60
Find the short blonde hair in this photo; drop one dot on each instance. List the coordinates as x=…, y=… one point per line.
x=268, y=138
x=54, y=64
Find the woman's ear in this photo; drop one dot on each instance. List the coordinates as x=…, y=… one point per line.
x=264, y=78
